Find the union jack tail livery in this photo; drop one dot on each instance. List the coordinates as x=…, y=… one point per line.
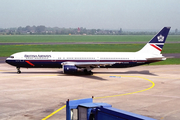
x=155, y=45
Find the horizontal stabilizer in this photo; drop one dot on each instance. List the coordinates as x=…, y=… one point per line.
x=156, y=58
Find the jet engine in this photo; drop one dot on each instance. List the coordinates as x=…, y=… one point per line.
x=70, y=69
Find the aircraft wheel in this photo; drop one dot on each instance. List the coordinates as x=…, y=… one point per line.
x=18, y=70
x=88, y=72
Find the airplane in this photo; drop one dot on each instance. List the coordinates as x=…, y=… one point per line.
x=73, y=62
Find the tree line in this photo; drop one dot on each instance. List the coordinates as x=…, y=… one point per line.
x=43, y=30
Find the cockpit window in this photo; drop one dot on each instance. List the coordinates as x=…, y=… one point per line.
x=11, y=56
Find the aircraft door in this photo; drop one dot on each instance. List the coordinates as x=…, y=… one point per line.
x=53, y=59
x=97, y=59
x=134, y=60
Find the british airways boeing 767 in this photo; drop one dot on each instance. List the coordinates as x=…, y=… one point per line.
x=72, y=62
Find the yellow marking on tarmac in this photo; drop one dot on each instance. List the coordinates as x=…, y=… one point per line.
x=3, y=71
x=49, y=75
x=54, y=112
x=152, y=85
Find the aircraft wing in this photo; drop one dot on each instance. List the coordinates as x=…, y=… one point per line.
x=88, y=64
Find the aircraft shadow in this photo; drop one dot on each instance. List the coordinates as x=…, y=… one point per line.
x=89, y=76
x=144, y=72
x=60, y=73
x=33, y=72
x=81, y=74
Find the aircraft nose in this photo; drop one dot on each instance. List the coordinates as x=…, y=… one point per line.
x=7, y=61
x=10, y=62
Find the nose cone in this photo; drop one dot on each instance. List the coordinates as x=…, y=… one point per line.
x=8, y=61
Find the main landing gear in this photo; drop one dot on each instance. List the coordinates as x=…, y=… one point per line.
x=18, y=70
x=88, y=72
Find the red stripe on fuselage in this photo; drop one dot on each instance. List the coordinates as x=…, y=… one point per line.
x=156, y=47
x=30, y=63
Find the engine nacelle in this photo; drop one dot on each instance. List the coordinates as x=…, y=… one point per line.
x=70, y=69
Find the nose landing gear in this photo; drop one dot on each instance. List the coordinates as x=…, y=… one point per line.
x=18, y=70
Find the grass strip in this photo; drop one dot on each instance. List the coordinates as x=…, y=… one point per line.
x=80, y=38
x=6, y=50
x=169, y=61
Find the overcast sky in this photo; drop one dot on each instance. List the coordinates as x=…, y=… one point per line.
x=103, y=14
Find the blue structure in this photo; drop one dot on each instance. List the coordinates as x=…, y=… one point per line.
x=85, y=109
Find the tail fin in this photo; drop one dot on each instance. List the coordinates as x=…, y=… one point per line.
x=155, y=45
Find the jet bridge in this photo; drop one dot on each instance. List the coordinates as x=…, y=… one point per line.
x=85, y=109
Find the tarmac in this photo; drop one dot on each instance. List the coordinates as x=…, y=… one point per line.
x=35, y=94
